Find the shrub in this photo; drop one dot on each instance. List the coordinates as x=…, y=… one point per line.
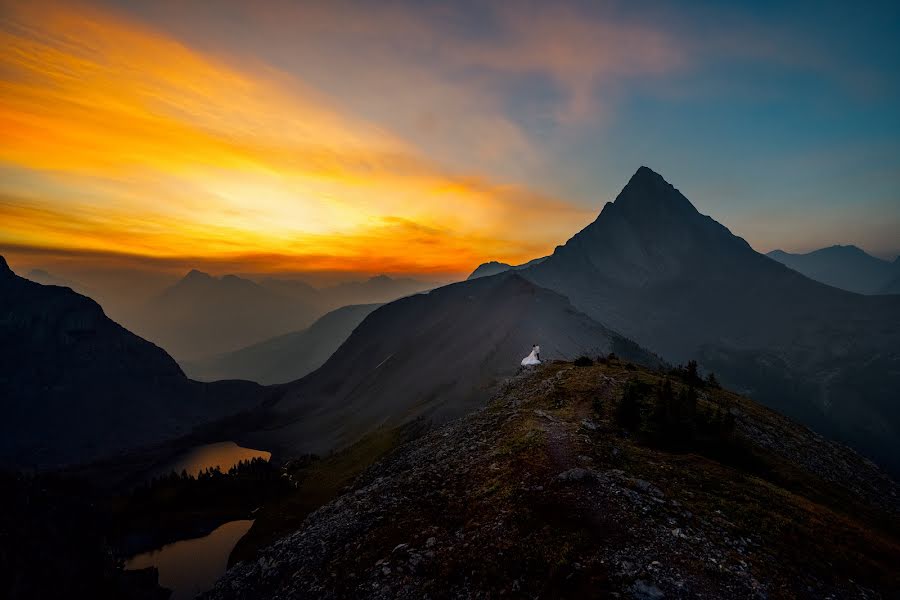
x=690, y=374
x=628, y=411
x=583, y=361
x=675, y=415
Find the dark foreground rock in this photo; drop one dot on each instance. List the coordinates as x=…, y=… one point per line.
x=543, y=494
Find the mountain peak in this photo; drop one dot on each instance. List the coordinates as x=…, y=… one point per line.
x=5, y=271
x=645, y=172
x=648, y=190
x=846, y=249
x=195, y=275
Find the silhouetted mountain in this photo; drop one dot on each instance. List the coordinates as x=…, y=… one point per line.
x=893, y=287
x=845, y=267
x=286, y=357
x=44, y=278
x=434, y=356
x=375, y=290
x=203, y=315
x=76, y=386
x=293, y=288
x=678, y=282
x=493, y=268
x=893, y=284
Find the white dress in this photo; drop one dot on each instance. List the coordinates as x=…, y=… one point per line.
x=532, y=359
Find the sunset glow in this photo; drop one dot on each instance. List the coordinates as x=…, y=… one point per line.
x=313, y=137
x=121, y=141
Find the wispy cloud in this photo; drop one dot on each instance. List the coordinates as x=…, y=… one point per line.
x=128, y=141
x=585, y=56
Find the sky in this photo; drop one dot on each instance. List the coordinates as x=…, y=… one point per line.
x=423, y=138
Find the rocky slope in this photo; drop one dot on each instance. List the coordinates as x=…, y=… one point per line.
x=553, y=491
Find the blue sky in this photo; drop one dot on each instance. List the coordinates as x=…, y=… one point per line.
x=425, y=137
x=781, y=119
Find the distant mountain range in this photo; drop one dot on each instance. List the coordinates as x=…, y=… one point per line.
x=651, y=269
x=45, y=278
x=203, y=316
x=433, y=356
x=286, y=357
x=893, y=286
x=676, y=281
x=375, y=290
x=76, y=386
x=493, y=268
x=845, y=267
x=651, y=277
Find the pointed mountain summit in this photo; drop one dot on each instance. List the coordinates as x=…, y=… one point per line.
x=681, y=284
x=647, y=190
x=5, y=271
x=651, y=232
x=197, y=275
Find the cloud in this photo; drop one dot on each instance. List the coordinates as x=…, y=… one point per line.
x=584, y=55
x=123, y=141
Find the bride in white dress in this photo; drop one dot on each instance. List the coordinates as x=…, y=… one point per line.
x=534, y=358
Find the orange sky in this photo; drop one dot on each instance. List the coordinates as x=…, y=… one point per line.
x=119, y=142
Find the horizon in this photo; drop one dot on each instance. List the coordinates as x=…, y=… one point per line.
x=150, y=138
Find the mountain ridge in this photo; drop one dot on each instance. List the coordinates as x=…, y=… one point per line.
x=494, y=267
x=683, y=285
x=64, y=362
x=432, y=356
x=545, y=493
x=847, y=267
x=287, y=357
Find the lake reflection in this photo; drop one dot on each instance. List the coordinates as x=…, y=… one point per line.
x=222, y=454
x=190, y=567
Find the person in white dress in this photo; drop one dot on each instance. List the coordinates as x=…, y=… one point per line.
x=534, y=358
